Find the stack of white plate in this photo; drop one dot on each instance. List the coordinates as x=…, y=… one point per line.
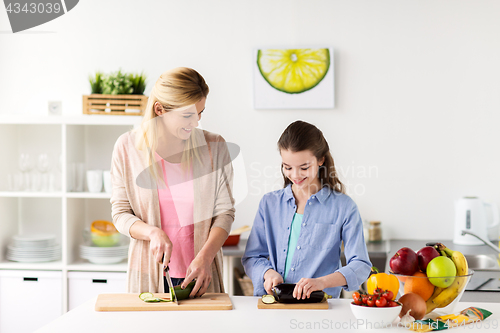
x=104, y=255
x=34, y=248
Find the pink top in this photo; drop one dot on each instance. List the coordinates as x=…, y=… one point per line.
x=176, y=211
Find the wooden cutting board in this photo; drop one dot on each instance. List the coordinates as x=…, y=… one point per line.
x=132, y=302
x=323, y=305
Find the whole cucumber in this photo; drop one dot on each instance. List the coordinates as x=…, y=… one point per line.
x=283, y=293
x=184, y=293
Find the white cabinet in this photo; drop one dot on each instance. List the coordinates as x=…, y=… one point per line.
x=87, y=140
x=29, y=299
x=82, y=286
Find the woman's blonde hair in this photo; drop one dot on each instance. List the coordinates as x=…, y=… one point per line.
x=174, y=89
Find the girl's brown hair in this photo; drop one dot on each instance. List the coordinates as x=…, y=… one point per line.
x=300, y=136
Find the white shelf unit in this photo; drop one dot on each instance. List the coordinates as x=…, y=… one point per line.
x=86, y=139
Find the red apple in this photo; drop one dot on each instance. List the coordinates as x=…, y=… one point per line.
x=405, y=262
x=425, y=255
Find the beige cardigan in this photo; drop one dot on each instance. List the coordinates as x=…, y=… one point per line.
x=135, y=197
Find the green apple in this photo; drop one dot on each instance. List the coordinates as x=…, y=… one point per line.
x=441, y=271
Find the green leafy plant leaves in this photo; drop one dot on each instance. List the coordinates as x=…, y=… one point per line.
x=117, y=83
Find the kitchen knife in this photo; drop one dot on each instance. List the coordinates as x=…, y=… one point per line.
x=170, y=286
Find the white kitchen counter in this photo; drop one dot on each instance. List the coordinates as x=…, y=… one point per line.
x=245, y=317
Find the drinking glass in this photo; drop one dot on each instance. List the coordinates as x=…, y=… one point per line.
x=25, y=165
x=43, y=165
x=15, y=181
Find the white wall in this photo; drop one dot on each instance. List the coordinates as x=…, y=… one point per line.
x=417, y=88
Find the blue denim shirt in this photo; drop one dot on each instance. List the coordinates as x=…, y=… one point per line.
x=329, y=218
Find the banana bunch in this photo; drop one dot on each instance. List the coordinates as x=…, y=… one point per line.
x=444, y=296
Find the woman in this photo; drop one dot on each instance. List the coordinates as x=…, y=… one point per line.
x=298, y=230
x=172, y=190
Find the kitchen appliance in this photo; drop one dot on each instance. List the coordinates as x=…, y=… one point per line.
x=474, y=215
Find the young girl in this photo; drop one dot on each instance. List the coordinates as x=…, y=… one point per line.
x=298, y=230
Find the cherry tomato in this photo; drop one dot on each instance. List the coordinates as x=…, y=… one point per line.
x=381, y=302
x=389, y=295
x=392, y=303
x=370, y=301
x=364, y=298
x=378, y=291
x=357, y=298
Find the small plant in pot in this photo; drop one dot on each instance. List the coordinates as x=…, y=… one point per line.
x=127, y=90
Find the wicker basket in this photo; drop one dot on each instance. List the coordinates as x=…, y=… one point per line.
x=245, y=282
x=124, y=105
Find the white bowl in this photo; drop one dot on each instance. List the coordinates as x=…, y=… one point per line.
x=374, y=317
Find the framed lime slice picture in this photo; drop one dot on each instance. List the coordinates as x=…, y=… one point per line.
x=294, y=78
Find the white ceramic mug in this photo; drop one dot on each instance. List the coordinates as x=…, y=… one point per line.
x=106, y=176
x=94, y=180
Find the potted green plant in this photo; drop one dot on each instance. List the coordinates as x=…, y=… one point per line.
x=116, y=93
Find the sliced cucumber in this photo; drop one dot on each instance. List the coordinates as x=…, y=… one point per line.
x=268, y=299
x=151, y=300
x=165, y=300
x=145, y=295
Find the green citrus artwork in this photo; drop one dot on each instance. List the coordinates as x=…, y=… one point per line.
x=294, y=78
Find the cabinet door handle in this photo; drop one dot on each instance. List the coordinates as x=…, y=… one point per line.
x=99, y=281
x=30, y=279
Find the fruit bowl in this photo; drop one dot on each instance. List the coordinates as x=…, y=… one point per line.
x=439, y=300
x=376, y=317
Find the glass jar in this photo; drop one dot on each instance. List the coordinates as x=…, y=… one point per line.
x=375, y=232
x=365, y=231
